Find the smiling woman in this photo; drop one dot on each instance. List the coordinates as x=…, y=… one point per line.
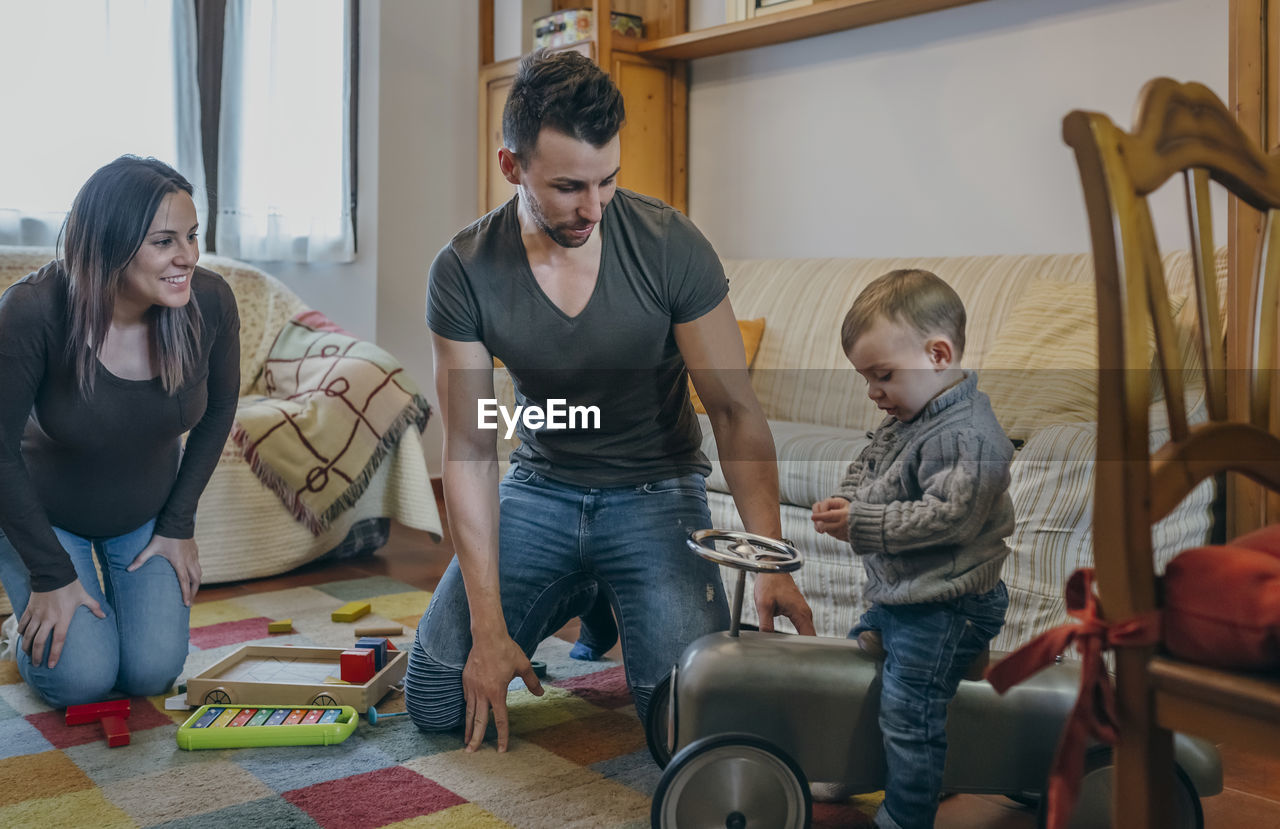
x=108, y=356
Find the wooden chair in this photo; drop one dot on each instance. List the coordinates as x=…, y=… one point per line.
x=1183, y=130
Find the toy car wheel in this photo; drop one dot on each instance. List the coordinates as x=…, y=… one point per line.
x=735, y=781
x=218, y=696
x=1093, y=807
x=657, y=723
x=324, y=699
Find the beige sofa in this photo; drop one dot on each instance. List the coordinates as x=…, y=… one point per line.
x=1031, y=336
x=242, y=528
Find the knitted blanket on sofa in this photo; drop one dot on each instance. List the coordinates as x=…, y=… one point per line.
x=334, y=407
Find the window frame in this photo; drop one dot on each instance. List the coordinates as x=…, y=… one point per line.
x=210, y=15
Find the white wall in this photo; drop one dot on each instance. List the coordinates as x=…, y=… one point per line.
x=932, y=135
x=427, y=99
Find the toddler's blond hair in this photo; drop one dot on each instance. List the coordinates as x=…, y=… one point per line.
x=911, y=297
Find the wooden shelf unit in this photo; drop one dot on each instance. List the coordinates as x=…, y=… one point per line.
x=654, y=137
x=822, y=17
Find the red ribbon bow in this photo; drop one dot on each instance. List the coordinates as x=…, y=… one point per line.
x=1094, y=711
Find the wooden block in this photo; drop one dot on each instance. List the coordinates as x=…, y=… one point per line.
x=350, y=611
x=280, y=626
x=357, y=666
x=380, y=630
x=378, y=645
x=117, y=732
x=95, y=711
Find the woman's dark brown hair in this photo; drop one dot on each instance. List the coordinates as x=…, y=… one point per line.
x=108, y=222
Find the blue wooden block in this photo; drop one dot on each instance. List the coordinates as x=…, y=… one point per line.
x=378, y=645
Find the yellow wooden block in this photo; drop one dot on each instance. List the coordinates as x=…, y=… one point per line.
x=333, y=680
x=350, y=611
x=280, y=626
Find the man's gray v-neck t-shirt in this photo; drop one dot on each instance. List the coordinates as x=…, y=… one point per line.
x=618, y=354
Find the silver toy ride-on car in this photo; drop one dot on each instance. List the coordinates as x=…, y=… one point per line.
x=747, y=721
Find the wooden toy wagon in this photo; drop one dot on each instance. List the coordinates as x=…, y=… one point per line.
x=291, y=675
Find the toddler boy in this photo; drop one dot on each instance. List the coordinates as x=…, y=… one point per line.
x=927, y=507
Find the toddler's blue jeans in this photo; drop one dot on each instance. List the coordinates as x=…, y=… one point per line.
x=138, y=649
x=558, y=545
x=928, y=648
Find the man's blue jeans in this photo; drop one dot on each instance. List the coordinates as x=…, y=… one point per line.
x=928, y=648
x=138, y=650
x=558, y=546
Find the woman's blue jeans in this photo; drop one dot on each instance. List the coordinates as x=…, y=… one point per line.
x=138, y=649
x=558, y=546
x=928, y=649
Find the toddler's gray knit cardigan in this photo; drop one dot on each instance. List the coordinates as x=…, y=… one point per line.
x=929, y=501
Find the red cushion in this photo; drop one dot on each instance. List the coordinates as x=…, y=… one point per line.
x=1222, y=604
x=1265, y=540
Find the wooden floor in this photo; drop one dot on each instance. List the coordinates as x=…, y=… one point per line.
x=1250, y=800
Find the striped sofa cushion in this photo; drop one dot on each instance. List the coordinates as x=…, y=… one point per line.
x=811, y=459
x=800, y=373
x=1053, y=532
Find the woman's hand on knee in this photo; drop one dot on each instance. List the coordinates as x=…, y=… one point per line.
x=489, y=670
x=183, y=554
x=48, y=618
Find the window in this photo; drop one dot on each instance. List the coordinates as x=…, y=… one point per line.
x=93, y=79
x=284, y=139
x=87, y=81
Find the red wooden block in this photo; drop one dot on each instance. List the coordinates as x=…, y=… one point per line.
x=115, y=729
x=358, y=666
x=94, y=711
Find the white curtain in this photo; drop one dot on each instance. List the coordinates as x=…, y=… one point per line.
x=85, y=82
x=284, y=171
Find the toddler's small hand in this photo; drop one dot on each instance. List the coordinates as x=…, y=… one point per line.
x=831, y=516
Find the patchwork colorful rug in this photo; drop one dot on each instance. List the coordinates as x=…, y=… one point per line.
x=577, y=756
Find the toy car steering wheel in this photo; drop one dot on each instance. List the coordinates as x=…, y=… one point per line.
x=745, y=551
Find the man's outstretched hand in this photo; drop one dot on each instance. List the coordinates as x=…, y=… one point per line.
x=490, y=668
x=777, y=595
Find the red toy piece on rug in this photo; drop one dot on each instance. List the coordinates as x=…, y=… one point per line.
x=94, y=711
x=116, y=731
x=111, y=713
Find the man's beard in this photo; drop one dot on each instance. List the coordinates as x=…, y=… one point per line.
x=559, y=235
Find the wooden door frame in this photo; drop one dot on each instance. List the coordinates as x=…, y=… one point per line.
x=1254, y=97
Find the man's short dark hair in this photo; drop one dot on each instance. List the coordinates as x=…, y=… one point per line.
x=566, y=92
